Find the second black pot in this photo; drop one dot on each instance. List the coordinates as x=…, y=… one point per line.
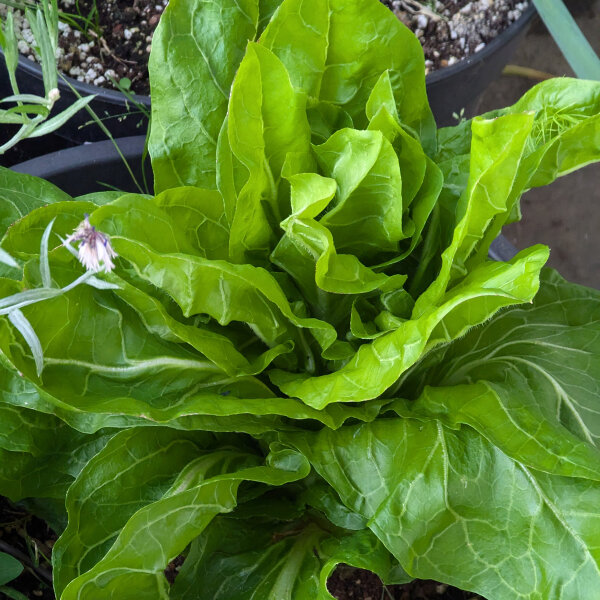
x=120, y=116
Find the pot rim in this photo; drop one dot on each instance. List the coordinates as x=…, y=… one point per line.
x=33, y=69
x=79, y=157
x=490, y=48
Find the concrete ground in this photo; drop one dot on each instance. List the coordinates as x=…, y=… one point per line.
x=566, y=214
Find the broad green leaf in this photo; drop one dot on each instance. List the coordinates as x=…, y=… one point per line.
x=526, y=381
x=201, y=214
x=284, y=561
x=336, y=51
x=97, y=383
x=319, y=495
x=496, y=150
x=217, y=347
x=376, y=366
x=566, y=130
x=229, y=292
x=451, y=506
x=136, y=468
x=151, y=535
x=40, y=456
x=21, y=193
x=186, y=220
x=565, y=136
x=366, y=169
x=307, y=240
x=196, y=51
x=23, y=239
x=10, y=568
x=100, y=198
x=266, y=120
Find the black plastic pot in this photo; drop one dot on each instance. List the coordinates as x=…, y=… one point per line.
x=121, y=117
x=460, y=86
x=90, y=168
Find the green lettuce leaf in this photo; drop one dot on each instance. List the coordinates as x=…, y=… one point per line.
x=196, y=51
x=336, y=51
x=40, y=455
x=177, y=485
x=234, y=559
x=266, y=121
x=451, y=506
x=527, y=381
x=21, y=193
x=376, y=366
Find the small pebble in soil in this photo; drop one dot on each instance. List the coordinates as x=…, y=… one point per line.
x=118, y=49
x=455, y=29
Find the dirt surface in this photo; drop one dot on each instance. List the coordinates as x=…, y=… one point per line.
x=101, y=41
x=106, y=41
x=450, y=30
x=118, y=44
x=30, y=540
x=358, y=584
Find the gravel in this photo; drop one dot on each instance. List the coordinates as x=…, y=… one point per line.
x=449, y=31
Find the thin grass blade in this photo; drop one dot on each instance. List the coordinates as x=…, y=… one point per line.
x=7, y=259
x=44, y=262
x=18, y=319
x=59, y=120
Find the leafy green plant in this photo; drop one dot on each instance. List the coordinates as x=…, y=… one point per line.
x=306, y=357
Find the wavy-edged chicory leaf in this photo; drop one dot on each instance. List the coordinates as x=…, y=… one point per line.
x=40, y=455
x=496, y=150
x=307, y=237
x=307, y=251
x=163, y=520
x=21, y=193
x=565, y=136
x=196, y=50
x=450, y=506
x=146, y=371
x=376, y=366
x=366, y=216
x=266, y=121
x=336, y=51
x=236, y=560
x=229, y=292
x=526, y=381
